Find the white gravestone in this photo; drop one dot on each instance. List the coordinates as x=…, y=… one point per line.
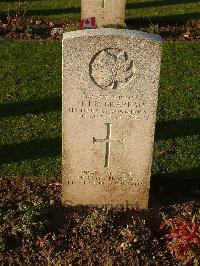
x=106, y=12
x=109, y=99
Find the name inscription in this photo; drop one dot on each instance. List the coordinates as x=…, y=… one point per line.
x=117, y=107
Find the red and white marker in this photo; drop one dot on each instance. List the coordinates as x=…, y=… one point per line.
x=88, y=23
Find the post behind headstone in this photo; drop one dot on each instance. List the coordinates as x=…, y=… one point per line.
x=109, y=98
x=106, y=12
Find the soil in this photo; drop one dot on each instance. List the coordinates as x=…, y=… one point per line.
x=36, y=229
x=21, y=28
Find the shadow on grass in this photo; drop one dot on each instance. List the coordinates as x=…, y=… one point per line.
x=30, y=150
x=45, y=12
x=170, y=19
x=177, y=128
x=164, y=130
x=174, y=188
x=158, y=3
x=53, y=11
x=30, y=107
x=52, y=147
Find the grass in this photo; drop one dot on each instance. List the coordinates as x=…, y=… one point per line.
x=178, y=147
x=147, y=10
x=56, y=9
x=154, y=11
x=30, y=109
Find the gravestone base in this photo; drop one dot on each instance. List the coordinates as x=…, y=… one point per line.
x=133, y=196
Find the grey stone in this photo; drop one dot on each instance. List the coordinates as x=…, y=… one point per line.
x=106, y=12
x=109, y=98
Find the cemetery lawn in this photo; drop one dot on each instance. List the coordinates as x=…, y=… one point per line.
x=150, y=11
x=30, y=110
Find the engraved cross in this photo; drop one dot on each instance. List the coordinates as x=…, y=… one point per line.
x=108, y=141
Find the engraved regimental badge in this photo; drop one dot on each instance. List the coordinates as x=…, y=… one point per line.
x=111, y=69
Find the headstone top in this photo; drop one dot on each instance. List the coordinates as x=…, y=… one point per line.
x=114, y=32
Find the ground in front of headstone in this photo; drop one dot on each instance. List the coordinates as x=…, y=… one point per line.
x=51, y=29
x=37, y=230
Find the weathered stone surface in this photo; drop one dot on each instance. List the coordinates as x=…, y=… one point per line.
x=110, y=87
x=107, y=12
